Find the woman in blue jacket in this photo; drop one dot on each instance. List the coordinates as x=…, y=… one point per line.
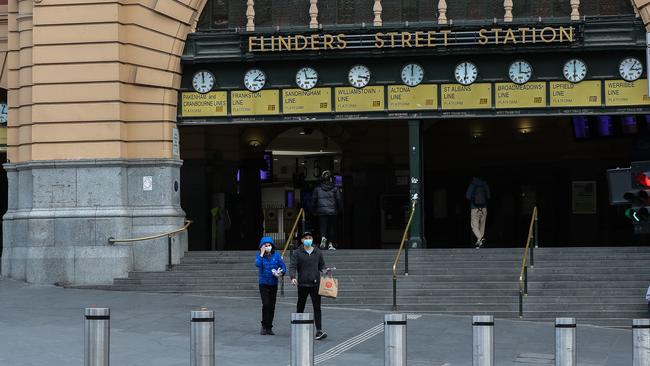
x=270, y=267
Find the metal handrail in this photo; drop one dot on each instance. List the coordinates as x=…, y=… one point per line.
x=112, y=240
x=523, y=273
x=301, y=214
x=168, y=234
x=399, y=253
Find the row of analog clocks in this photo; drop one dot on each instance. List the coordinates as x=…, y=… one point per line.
x=466, y=73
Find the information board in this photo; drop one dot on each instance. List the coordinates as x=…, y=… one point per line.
x=623, y=93
x=475, y=96
x=296, y=101
x=204, y=105
x=404, y=98
x=245, y=103
x=368, y=99
x=583, y=94
x=529, y=95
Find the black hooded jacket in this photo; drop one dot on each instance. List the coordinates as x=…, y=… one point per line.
x=325, y=199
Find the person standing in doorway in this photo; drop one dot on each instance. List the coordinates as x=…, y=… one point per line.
x=307, y=263
x=270, y=267
x=478, y=195
x=325, y=202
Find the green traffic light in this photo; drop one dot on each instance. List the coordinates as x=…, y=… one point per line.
x=631, y=213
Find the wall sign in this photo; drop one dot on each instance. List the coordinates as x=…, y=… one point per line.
x=475, y=96
x=204, y=105
x=583, y=94
x=351, y=99
x=246, y=103
x=529, y=95
x=296, y=101
x=423, y=38
x=622, y=93
x=584, y=197
x=404, y=98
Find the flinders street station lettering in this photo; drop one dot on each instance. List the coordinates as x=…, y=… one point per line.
x=412, y=39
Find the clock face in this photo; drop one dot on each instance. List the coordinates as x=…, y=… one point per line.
x=520, y=72
x=254, y=80
x=306, y=78
x=412, y=74
x=466, y=73
x=203, y=81
x=630, y=69
x=359, y=76
x=575, y=70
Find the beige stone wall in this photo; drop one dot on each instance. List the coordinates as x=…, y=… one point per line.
x=643, y=6
x=91, y=80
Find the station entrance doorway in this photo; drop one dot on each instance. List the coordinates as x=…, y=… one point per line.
x=242, y=181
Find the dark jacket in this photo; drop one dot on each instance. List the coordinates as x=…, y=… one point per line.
x=325, y=199
x=308, y=266
x=476, y=183
x=267, y=263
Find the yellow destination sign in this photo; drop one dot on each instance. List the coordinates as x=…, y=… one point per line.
x=204, y=105
x=623, y=93
x=529, y=95
x=475, y=96
x=584, y=94
x=404, y=98
x=368, y=99
x=245, y=103
x=317, y=100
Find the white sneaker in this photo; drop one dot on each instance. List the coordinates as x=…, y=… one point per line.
x=331, y=247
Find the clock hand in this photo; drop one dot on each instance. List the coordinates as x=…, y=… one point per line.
x=412, y=70
x=520, y=67
x=203, y=77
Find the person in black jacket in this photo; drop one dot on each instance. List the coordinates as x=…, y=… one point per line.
x=325, y=203
x=307, y=263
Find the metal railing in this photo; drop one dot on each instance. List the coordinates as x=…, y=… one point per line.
x=523, y=273
x=301, y=216
x=168, y=234
x=399, y=253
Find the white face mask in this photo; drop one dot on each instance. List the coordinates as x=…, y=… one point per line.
x=268, y=249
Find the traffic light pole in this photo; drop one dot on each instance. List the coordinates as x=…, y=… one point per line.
x=416, y=239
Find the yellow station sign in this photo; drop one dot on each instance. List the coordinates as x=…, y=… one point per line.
x=623, y=93
x=318, y=100
x=245, y=103
x=529, y=95
x=204, y=105
x=583, y=94
x=475, y=96
x=368, y=99
x=404, y=98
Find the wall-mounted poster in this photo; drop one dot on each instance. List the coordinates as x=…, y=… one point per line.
x=583, y=195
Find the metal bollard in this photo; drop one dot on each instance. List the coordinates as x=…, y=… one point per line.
x=565, y=342
x=395, y=340
x=302, y=339
x=202, y=338
x=483, y=340
x=97, y=337
x=641, y=338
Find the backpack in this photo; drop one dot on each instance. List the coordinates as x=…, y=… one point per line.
x=479, y=197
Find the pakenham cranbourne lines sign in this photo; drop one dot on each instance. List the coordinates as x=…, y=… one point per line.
x=425, y=38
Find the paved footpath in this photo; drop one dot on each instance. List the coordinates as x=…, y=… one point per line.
x=43, y=326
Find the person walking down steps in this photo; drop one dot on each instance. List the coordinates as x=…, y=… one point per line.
x=478, y=195
x=326, y=203
x=270, y=267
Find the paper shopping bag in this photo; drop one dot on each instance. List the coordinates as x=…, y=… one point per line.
x=329, y=287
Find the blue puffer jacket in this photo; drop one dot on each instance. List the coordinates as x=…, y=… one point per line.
x=267, y=263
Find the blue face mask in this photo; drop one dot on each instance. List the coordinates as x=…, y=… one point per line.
x=308, y=242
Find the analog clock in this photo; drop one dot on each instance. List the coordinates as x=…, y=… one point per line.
x=520, y=72
x=359, y=76
x=203, y=81
x=306, y=78
x=412, y=74
x=254, y=80
x=575, y=70
x=466, y=73
x=630, y=69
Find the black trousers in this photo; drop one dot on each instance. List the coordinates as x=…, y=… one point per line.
x=312, y=291
x=268, y=294
x=327, y=226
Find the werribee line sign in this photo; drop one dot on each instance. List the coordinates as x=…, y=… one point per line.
x=425, y=38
